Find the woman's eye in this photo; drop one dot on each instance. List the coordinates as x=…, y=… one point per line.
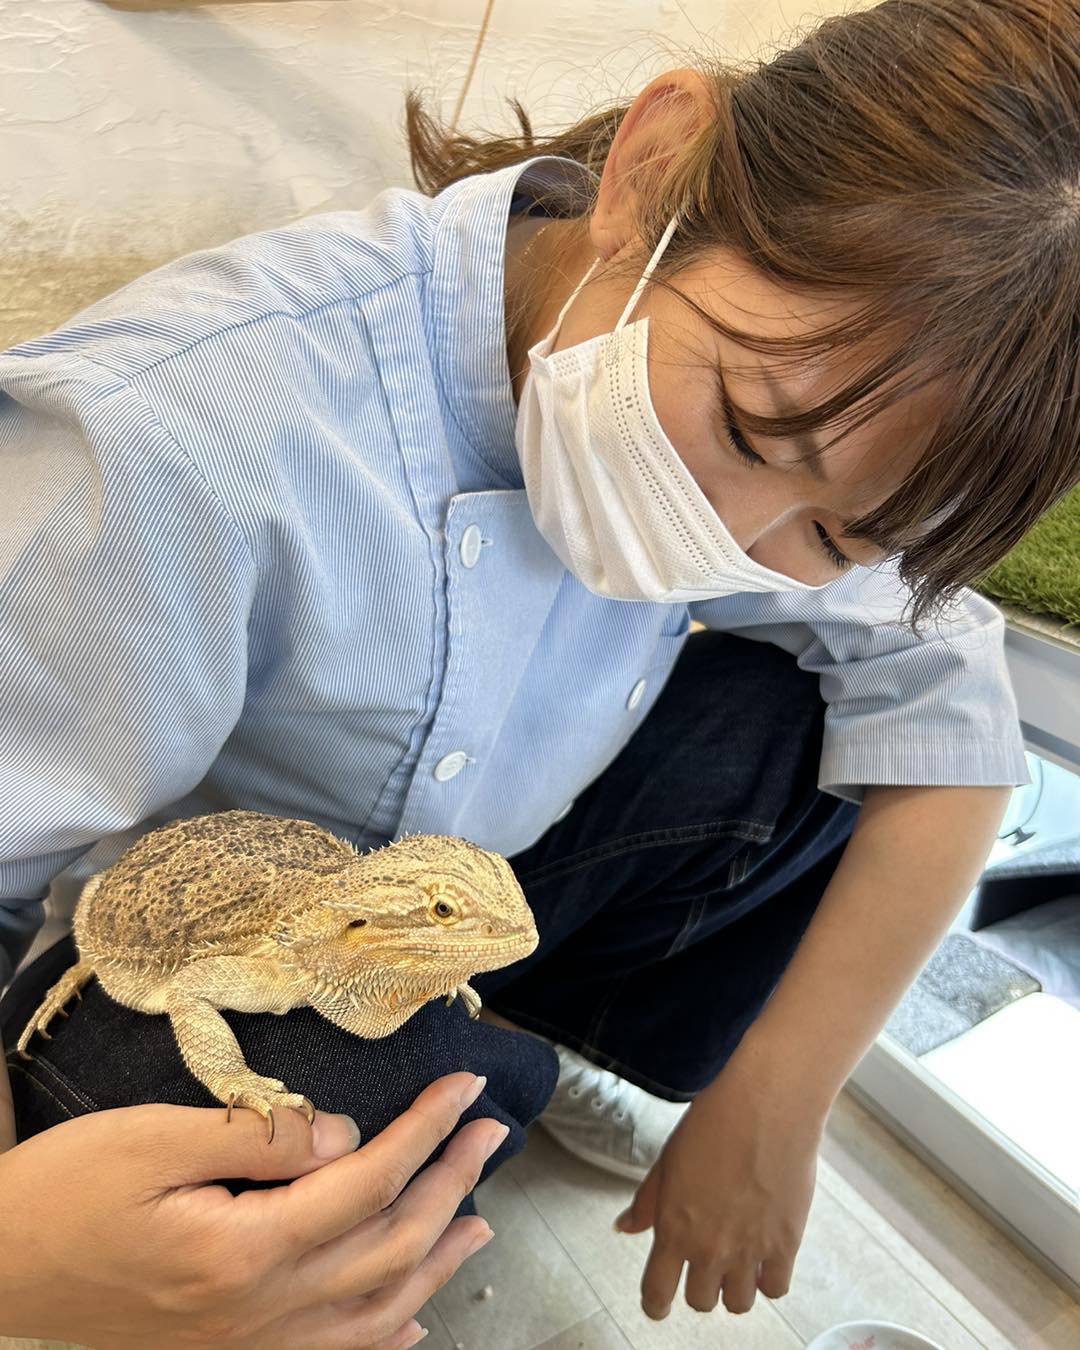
x=742, y=448
x=738, y=441
x=751, y=457
x=839, y=560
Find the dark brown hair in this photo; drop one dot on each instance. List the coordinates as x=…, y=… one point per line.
x=921, y=158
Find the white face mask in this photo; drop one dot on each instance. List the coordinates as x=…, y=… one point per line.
x=607, y=488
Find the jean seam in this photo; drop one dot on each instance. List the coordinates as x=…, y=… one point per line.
x=68, y=1087
x=752, y=831
x=695, y=910
x=738, y=869
x=36, y=1081
x=604, y=1007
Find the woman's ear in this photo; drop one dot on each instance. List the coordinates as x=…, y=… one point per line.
x=668, y=113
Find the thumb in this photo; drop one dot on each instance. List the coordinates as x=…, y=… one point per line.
x=639, y=1215
x=198, y=1144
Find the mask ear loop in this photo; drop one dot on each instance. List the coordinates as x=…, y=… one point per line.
x=650, y=266
x=642, y=282
x=573, y=296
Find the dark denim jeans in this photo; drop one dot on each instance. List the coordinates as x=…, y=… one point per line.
x=668, y=901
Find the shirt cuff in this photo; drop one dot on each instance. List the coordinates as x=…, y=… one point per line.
x=848, y=768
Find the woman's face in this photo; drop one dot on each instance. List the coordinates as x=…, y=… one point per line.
x=779, y=510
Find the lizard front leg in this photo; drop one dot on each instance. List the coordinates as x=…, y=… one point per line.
x=469, y=997
x=211, y=1052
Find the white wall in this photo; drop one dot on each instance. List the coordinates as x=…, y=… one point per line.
x=132, y=131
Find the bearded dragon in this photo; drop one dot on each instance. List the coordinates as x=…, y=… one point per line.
x=257, y=913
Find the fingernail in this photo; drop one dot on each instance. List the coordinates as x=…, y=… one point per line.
x=481, y=1241
x=332, y=1136
x=423, y=1333
x=496, y=1139
x=473, y=1091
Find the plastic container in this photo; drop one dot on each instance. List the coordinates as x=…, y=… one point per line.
x=872, y=1336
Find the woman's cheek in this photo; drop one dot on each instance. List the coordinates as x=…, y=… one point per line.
x=709, y=475
x=694, y=437
x=696, y=447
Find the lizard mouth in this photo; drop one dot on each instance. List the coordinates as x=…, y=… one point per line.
x=464, y=948
x=497, y=953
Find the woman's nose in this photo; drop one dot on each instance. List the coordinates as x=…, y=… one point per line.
x=759, y=524
x=780, y=544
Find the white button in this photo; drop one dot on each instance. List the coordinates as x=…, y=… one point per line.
x=635, y=695
x=450, y=765
x=563, y=813
x=470, y=546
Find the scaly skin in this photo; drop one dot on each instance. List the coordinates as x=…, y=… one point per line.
x=260, y=914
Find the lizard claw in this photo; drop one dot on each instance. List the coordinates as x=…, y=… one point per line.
x=63, y=1013
x=24, y=1055
x=42, y=1032
x=260, y=1095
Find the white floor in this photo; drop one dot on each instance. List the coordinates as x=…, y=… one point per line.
x=1009, y=1068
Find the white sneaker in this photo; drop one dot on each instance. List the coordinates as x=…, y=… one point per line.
x=605, y=1120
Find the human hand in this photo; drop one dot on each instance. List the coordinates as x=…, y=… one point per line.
x=729, y=1194
x=110, y=1235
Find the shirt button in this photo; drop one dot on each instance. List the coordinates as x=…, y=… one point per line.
x=635, y=695
x=470, y=546
x=450, y=765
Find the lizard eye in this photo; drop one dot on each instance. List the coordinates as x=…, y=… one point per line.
x=444, y=904
x=357, y=923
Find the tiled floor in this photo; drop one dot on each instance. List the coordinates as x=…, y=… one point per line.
x=886, y=1238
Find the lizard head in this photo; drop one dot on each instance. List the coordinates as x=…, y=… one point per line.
x=427, y=910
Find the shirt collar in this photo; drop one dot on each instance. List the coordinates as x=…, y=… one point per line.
x=467, y=305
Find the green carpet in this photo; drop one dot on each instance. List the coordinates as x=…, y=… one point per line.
x=1042, y=573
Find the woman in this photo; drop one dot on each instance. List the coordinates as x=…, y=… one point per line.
x=397, y=520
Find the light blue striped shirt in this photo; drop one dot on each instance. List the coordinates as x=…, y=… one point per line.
x=264, y=543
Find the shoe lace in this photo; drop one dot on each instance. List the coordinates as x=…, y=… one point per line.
x=607, y=1092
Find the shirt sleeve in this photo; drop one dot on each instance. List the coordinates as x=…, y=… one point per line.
x=933, y=708
x=125, y=589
